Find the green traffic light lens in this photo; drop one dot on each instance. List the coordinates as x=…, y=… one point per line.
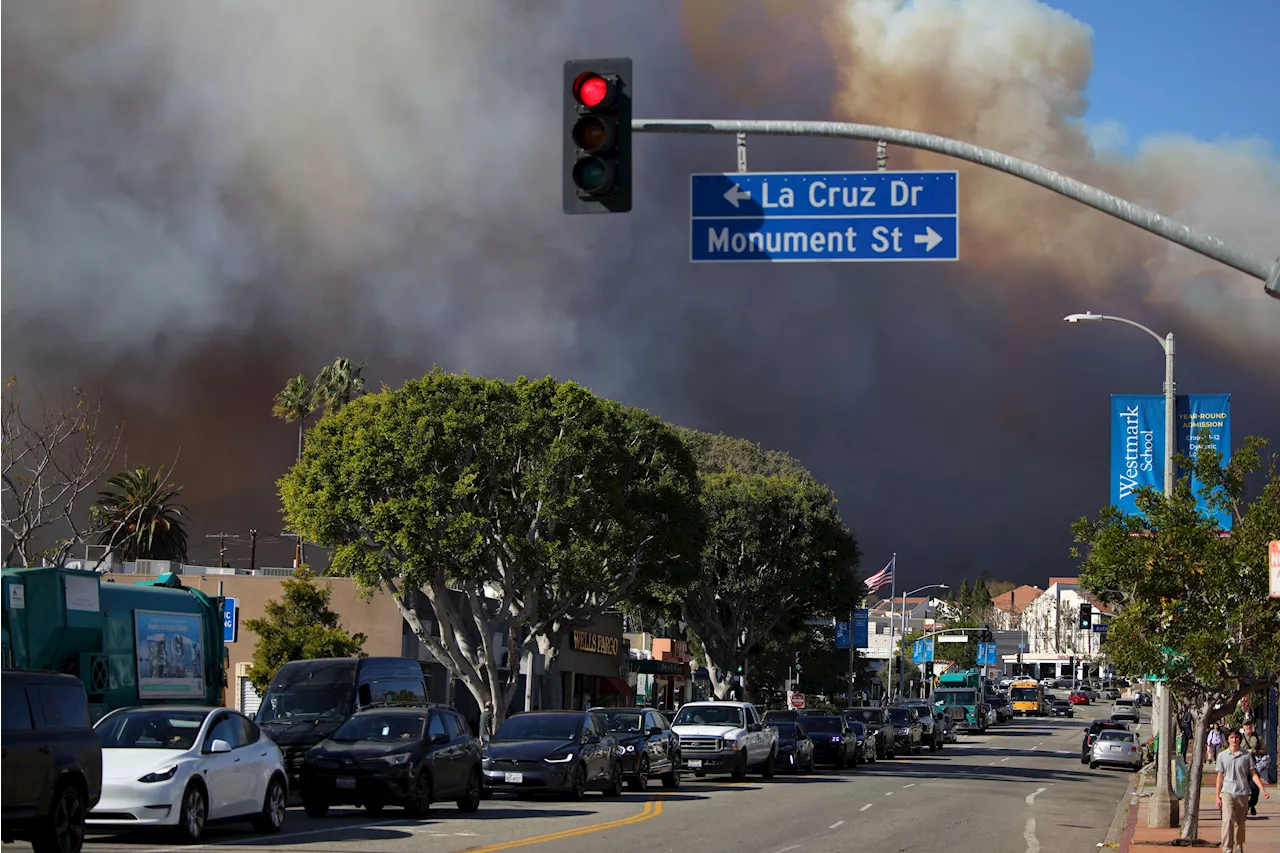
x=593, y=175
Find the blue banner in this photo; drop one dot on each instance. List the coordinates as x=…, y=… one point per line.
x=987, y=654
x=860, y=619
x=842, y=635
x=1195, y=413
x=922, y=651
x=1137, y=447
x=1137, y=441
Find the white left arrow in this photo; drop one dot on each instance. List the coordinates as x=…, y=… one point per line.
x=737, y=194
x=930, y=238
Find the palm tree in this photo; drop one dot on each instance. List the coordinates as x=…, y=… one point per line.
x=141, y=518
x=294, y=402
x=338, y=384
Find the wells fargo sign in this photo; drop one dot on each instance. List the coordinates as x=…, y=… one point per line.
x=600, y=644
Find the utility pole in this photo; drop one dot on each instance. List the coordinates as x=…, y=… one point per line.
x=299, y=551
x=253, y=548
x=222, y=546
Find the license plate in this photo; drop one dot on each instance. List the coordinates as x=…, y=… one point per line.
x=695, y=763
x=1115, y=749
x=343, y=782
x=513, y=778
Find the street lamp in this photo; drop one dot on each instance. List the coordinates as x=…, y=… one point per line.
x=1163, y=808
x=902, y=652
x=1167, y=344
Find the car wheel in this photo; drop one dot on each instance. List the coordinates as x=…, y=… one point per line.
x=315, y=808
x=839, y=761
x=577, y=783
x=63, y=830
x=740, y=770
x=766, y=772
x=419, y=803
x=1093, y=765
x=614, y=788
x=271, y=820
x=1084, y=758
x=194, y=813
x=671, y=779
x=641, y=780
x=470, y=799
x=374, y=809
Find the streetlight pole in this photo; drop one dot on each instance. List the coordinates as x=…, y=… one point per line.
x=902, y=650
x=1162, y=811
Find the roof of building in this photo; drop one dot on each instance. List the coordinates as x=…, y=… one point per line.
x=1015, y=600
x=1064, y=581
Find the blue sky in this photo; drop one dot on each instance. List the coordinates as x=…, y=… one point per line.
x=1207, y=68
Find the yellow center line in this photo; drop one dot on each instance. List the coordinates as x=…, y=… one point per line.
x=652, y=809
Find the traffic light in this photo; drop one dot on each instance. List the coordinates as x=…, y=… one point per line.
x=928, y=669
x=597, y=136
x=1086, y=616
x=799, y=662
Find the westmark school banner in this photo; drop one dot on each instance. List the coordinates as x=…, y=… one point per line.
x=1137, y=441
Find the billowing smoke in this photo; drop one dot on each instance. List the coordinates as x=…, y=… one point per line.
x=201, y=200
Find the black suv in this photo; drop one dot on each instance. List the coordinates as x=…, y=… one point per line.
x=908, y=733
x=52, y=760
x=647, y=745
x=932, y=734
x=394, y=755
x=1091, y=732
x=877, y=721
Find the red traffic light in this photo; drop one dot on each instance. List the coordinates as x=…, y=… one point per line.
x=591, y=90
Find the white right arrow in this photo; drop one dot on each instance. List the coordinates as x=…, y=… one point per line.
x=737, y=194
x=930, y=238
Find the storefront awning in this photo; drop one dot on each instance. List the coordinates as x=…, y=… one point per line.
x=614, y=686
x=659, y=667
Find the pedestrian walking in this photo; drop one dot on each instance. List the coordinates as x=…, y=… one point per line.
x=1235, y=772
x=1214, y=740
x=1251, y=743
x=486, y=722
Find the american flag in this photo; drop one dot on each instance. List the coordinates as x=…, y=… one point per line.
x=884, y=577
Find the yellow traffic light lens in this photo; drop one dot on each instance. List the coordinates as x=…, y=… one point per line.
x=593, y=175
x=593, y=134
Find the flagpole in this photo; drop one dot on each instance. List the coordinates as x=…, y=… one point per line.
x=893, y=590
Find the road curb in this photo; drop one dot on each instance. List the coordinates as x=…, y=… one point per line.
x=1131, y=824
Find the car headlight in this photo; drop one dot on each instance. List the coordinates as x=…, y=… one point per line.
x=731, y=745
x=164, y=774
x=397, y=758
x=835, y=738
x=560, y=759
x=629, y=748
x=903, y=730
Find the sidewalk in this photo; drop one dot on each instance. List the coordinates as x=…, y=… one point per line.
x=1263, y=830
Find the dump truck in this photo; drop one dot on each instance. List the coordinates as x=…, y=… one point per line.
x=142, y=643
x=962, y=697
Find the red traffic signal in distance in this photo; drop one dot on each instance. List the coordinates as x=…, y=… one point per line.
x=597, y=136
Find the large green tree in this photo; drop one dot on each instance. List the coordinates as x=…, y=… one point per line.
x=140, y=517
x=300, y=626
x=505, y=510
x=1193, y=598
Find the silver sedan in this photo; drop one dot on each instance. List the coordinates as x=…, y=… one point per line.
x=1116, y=748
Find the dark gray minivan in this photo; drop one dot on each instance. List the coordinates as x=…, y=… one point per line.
x=308, y=699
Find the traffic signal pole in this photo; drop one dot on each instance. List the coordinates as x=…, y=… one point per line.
x=1162, y=226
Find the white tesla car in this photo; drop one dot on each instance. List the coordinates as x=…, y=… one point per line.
x=185, y=767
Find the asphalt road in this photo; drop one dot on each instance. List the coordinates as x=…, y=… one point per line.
x=1019, y=789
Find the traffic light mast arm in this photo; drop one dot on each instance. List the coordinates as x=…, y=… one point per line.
x=1176, y=232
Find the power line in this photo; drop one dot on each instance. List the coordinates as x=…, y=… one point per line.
x=222, y=545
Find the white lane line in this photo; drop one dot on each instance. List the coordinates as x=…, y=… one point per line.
x=888, y=793
x=834, y=825
x=785, y=849
x=1006, y=758
x=1031, y=798
x=864, y=808
x=912, y=785
x=1037, y=746
x=1029, y=836
x=281, y=837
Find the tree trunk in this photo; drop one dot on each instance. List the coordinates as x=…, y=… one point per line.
x=552, y=683
x=1191, y=807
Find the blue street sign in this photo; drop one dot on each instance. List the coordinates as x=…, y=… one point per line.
x=1099, y=628
x=230, y=620
x=1021, y=646
x=842, y=635
x=824, y=216
x=860, y=621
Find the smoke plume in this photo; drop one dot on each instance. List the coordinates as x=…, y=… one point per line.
x=204, y=199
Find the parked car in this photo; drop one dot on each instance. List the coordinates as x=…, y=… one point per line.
x=865, y=751
x=554, y=752
x=1078, y=698
x=1091, y=733
x=1004, y=710
x=908, y=734
x=877, y=720
x=725, y=737
x=1061, y=708
x=649, y=746
x=1110, y=693
x=833, y=740
x=1126, y=710
x=1116, y=748
x=187, y=766
x=394, y=755
x=931, y=733
x=795, y=747
x=52, y=764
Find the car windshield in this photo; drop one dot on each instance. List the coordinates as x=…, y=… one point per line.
x=540, y=727
x=1114, y=734
x=709, y=715
x=150, y=728
x=785, y=730
x=951, y=698
x=901, y=716
x=312, y=690
x=823, y=724
x=857, y=728
x=867, y=715
x=1024, y=694
x=381, y=727
x=622, y=721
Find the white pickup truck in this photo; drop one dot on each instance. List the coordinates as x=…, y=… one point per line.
x=725, y=737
